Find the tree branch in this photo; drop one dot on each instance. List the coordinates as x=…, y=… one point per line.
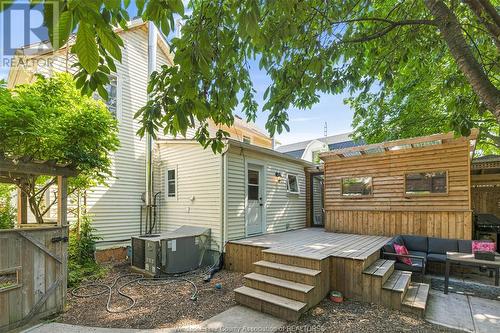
x=492, y=28
x=452, y=34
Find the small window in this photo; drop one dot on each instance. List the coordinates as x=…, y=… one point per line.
x=253, y=184
x=112, y=90
x=247, y=139
x=356, y=186
x=171, y=183
x=9, y=278
x=422, y=183
x=292, y=184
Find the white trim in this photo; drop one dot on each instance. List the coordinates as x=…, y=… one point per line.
x=263, y=185
x=176, y=179
x=288, y=186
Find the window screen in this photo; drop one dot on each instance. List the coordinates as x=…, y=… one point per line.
x=426, y=183
x=356, y=186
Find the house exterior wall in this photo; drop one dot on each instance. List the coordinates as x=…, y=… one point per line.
x=198, y=200
x=116, y=209
x=389, y=211
x=283, y=211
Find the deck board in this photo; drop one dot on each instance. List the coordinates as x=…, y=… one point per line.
x=316, y=243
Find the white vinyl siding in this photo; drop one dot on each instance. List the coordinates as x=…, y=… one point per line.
x=199, y=188
x=284, y=211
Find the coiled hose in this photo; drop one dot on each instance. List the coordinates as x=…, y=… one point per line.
x=139, y=279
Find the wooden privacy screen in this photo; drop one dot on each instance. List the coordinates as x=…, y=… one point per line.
x=389, y=210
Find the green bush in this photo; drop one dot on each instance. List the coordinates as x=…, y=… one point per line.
x=7, y=212
x=81, y=262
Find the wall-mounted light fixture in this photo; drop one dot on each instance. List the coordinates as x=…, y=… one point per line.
x=279, y=176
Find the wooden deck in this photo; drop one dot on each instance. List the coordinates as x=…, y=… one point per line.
x=316, y=243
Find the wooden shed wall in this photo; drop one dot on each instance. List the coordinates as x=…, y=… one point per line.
x=389, y=211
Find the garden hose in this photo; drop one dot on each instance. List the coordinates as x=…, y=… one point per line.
x=139, y=279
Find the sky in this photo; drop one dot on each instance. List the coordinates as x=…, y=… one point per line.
x=304, y=124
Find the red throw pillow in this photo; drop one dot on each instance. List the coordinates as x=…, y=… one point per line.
x=401, y=249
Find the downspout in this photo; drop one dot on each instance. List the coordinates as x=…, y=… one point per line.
x=223, y=229
x=152, y=37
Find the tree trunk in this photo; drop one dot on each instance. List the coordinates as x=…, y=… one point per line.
x=452, y=34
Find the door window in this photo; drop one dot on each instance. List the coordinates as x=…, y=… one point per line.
x=253, y=185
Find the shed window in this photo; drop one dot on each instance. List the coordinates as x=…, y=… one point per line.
x=171, y=183
x=421, y=183
x=292, y=184
x=356, y=186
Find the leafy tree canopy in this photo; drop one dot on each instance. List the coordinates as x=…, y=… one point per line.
x=412, y=67
x=51, y=120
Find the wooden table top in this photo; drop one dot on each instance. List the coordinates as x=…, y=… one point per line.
x=469, y=258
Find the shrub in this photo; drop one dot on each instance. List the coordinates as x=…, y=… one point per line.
x=7, y=212
x=81, y=262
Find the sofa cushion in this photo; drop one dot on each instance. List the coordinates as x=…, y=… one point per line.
x=418, y=254
x=416, y=266
x=442, y=245
x=415, y=243
x=464, y=246
x=389, y=246
x=436, y=257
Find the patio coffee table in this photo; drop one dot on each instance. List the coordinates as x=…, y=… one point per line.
x=467, y=259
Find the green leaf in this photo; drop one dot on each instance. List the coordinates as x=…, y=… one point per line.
x=109, y=42
x=86, y=47
x=102, y=92
x=63, y=29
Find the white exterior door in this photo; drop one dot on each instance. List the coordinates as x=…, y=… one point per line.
x=255, y=200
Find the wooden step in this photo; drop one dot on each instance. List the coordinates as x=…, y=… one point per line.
x=382, y=268
x=394, y=289
x=374, y=277
x=287, y=272
x=275, y=305
x=289, y=289
x=292, y=260
x=415, y=300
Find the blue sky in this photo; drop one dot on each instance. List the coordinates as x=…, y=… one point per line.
x=304, y=124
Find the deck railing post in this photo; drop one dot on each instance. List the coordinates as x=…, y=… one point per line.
x=22, y=207
x=62, y=201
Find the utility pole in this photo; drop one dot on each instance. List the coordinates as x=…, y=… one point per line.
x=325, y=130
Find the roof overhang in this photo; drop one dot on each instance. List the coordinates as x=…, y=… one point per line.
x=411, y=143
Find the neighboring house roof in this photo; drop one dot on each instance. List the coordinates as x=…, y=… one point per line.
x=238, y=121
x=337, y=141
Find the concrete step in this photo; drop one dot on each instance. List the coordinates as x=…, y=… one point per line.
x=394, y=289
x=287, y=272
x=382, y=269
x=275, y=305
x=415, y=300
x=289, y=289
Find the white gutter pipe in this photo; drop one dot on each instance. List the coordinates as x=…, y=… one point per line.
x=152, y=42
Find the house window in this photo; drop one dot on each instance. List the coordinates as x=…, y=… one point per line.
x=292, y=184
x=171, y=183
x=247, y=139
x=112, y=101
x=421, y=183
x=356, y=186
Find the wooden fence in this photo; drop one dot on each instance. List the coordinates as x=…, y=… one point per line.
x=33, y=266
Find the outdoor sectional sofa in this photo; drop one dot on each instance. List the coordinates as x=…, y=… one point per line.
x=423, y=250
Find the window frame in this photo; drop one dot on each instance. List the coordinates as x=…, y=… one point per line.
x=438, y=194
x=354, y=196
x=176, y=179
x=118, y=78
x=288, y=183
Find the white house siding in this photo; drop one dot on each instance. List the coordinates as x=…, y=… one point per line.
x=284, y=211
x=199, y=177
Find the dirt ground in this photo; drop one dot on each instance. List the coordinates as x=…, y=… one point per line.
x=164, y=305
x=354, y=317
x=170, y=305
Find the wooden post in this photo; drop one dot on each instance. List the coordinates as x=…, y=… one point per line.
x=22, y=207
x=62, y=201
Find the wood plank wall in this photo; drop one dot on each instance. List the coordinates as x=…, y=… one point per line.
x=37, y=272
x=389, y=211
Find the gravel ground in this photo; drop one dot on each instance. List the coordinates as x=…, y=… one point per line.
x=167, y=305
x=351, y=316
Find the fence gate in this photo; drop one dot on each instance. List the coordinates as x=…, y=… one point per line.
x=33, y=274
x=317, y=200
